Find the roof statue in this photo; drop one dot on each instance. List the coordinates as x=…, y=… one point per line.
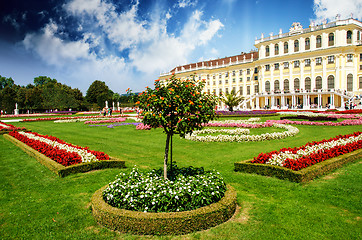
x=296, y=27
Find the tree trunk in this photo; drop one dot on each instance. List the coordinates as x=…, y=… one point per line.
x=166, y=156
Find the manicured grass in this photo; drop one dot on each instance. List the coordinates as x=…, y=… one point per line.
x=35, y=203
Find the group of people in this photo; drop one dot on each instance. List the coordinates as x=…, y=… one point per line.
x=106, y=111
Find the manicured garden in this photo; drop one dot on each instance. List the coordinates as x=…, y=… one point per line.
x=36, y=203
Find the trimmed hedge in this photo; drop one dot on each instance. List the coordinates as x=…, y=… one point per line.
x=61, y=170
x=303, y=175
x=174, y=223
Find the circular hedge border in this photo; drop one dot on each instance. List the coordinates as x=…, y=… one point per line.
x=174, y=223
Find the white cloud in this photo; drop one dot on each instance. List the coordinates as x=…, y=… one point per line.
x=54, y=50
x=151, y=48
x=186, y=3
x=328, y=9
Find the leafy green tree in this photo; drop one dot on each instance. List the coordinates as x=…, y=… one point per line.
x=41, y=80
x=8, y=96
x=6, y=82
x=98, y=92
x=178, y=106
x=232, y=100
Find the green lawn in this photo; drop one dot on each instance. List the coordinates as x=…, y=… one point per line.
x=36, y=204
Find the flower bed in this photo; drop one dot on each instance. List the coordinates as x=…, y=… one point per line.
x=106, y=121
x=246, y=113
x=64, y=153
x=6, y=128
x=145, y=203
x=241, y=137
x=311, y=153
x=61, y=170
x=116, y=125
x=347, y=122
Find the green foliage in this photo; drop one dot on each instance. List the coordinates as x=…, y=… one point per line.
x=7, y=96
x=232, y=100
x=178, y=106
x=98, y=92
x=149, y=192
x=4, y=82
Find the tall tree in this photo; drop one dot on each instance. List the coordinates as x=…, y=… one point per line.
x=178, y=106
x=232, y=100
x=98, y=92
x=8, y=96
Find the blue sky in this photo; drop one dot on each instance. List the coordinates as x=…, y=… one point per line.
x=127, y=43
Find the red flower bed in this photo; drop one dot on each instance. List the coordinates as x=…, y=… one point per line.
x=315, y=157
x=7, y=127
x=61, y=156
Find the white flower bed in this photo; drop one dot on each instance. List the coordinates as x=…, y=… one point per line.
x=77, y=120
x=279, y=159
x=85, y=155
x=291, y=131
x=250, y=120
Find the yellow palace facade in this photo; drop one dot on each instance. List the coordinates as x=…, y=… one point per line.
x=306, y=68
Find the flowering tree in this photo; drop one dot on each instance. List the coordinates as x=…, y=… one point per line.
x=178, y=106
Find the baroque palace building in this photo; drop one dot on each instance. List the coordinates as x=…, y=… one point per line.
x=305, y=68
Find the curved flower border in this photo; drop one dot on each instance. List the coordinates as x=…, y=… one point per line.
x=291, y=131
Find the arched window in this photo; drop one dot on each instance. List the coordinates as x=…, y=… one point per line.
x=330, y=82
x=276, y=49
x=308, y=84
x=286, y=84
x=296, y=46
x=286, y=47
x=350, y=82
x=331, y=39
x=349, y=36
x=318, y=83
x=319, y=41
x=307, y=44
x=296, y=84
x=267, y=51
x=267, y=86
x=276, y=85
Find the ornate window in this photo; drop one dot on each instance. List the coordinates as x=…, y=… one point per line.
x=331, y=39
x=360, y=82
x=308, y=84
x=267, y=51
x=276, y=49
x=349, y=57
x=286, y=47
x=276, y=66
x=319, y=41
x=241, y=91
x=286, y=84
x=307, y=44
x=296, y=84
x=296, y=46
x=318, y=61
x=248, y=90
x=276, y=85
x=267, y=67
x=296, y=64
x=318, y=83
x=307, y=62
x=331, y=59
x=350, y=82
x=286, y=64
x=349, y=36
x=240, y=72
x=256, y=88
x=330, y=82
x=267, y=86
